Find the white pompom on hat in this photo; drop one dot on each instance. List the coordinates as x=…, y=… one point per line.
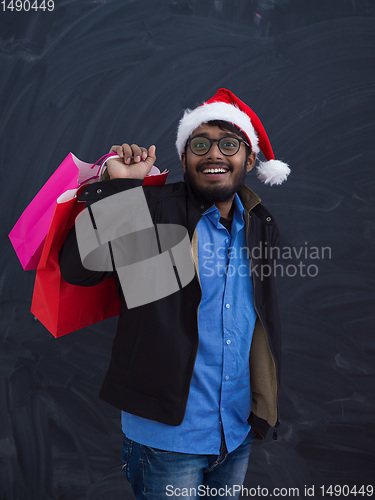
x=224, y=105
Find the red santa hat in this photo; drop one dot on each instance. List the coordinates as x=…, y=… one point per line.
x=224, y=105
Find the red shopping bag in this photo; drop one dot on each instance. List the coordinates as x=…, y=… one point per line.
x=63, y=308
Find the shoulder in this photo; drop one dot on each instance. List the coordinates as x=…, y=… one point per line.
x=99, y=190
x=252, y=204
x=159, y=193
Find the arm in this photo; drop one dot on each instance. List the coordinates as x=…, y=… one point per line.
x=72, y=270
x=128, y=172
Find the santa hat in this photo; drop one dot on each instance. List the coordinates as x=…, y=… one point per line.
x=224, y=105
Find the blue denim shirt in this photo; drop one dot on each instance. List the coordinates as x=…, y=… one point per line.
x=220, y=394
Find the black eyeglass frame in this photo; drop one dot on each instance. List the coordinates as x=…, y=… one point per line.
x=211, y=141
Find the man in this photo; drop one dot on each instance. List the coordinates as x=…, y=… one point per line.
x=196, y=373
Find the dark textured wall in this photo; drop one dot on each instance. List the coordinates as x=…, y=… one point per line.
x=94, y=73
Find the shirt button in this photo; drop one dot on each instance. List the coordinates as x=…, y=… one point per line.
x=229, y=342
x=226, y=377
x=226, y=240
x=216, y=216
x=99, y=191
x=227, y=306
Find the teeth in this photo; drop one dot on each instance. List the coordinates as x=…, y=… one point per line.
x=214, y=171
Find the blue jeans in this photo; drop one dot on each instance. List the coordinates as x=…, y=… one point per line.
x=159, y=475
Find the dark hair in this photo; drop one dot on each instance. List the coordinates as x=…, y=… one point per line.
x=227, y=126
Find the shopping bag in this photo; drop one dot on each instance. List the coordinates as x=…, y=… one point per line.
x=29, y=233
x=63, y=308
x=155, y=177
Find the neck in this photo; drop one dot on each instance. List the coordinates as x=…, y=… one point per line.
x=226, y=208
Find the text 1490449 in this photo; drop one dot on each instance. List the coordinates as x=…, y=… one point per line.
x=27, y=5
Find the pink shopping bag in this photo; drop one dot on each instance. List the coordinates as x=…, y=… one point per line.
x=29, y=233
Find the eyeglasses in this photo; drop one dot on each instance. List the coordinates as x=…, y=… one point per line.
x=227, y=145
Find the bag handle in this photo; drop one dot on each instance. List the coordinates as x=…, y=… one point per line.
x=107, y=157
x=100, y=162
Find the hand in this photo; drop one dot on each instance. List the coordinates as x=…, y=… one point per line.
x=134, y=162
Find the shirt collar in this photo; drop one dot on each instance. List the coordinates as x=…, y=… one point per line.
x=213, y=213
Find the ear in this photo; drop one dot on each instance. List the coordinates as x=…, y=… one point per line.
x=251, y=161
x=183, y=162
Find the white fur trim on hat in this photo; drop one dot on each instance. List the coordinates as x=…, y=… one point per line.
x=192, y=119
x=273, y=172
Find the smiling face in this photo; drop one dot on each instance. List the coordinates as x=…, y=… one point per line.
x=214, y=176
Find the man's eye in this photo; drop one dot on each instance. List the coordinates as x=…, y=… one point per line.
x=229, y=144
x=200, y=145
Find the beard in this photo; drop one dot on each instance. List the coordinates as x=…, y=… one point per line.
x=216, y=194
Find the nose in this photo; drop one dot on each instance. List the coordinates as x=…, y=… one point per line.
x=214, y=151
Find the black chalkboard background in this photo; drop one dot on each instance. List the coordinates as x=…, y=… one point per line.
x=95, y=73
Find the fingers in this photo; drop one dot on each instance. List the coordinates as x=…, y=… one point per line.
x=137, y=153
x=151, y=157
x=128, y=153
x=117, y=150
x=144, y=153
x=133, y=153
x=152, y=153
x=135, y=162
